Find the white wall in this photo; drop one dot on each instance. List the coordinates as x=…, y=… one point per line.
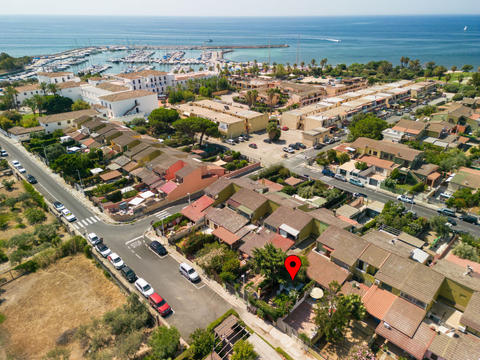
x=73, y=93
x=146, y=104
x=51, y=127
x=57, y=79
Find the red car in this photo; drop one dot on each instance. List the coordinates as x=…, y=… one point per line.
x=159, y=304
x=285, y=128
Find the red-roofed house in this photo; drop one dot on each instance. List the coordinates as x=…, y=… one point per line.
x=377, y=301
x=281, y=242
x=168, y=187
x=196, y=210
x=111, y=176
x=226, y=236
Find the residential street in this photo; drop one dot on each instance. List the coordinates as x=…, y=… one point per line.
x=194, y=305
x=297, y=164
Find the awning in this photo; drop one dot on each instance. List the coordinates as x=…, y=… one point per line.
x=316, y=293
x=289, y=230
x=126, y=189
x=147, y=194
x=96, y=171
x=136, y=201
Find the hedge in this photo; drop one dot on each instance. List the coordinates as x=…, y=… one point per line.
x=283, y=353
x=36, y=196
x=218, y=321
x=167, y=220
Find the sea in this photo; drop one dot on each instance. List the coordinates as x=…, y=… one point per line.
x=447, y=40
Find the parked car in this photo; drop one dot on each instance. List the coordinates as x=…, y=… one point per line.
x=340, y=177
x=159, y=304
x=447, y=212
x=144, y=287
x=68, y=215
x=21, y=169
x=115, y=260
x=445, y=195
x=355, y=182
x=452, y=221
x=301, y=145
x=294, y=146
x=31, y=179
x=357, y=195
x=128, y=274
x=253, y=145
x=285, y=128
x=290, y=150
x=103, y=249
x=318, y=146
x=285, y=149
x=230, y=141
x=469, y=218
x=94, y=239
x=58, y=206
x=405, y=199
x=267, y=140
x=158, y=248
x=328, y=172
x=189, y=272
x=16, y=163
x=240, y=138
x=3, y=153
x=329, y=141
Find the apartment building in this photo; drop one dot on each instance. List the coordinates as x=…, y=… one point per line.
x=63, y=121
x=120, y=104
x=56, y=77
x=232, y=121
x=150, y=80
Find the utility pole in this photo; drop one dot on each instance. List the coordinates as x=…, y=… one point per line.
x=80, y=178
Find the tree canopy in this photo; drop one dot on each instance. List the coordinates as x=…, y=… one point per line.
x=243, y=350
x=368, y=126
x=164, y=343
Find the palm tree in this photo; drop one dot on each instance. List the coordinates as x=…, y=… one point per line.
x=39, y=103
x=53, y=89
x=30, y=102
x=402, y=61
x=313, y=62
x=251, y=97
x=302, y=64
x=272, y=97
x=44, y=87
x=11, y=96
x=323, y=62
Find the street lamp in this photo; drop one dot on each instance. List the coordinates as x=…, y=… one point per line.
x=80, y=179
x=188, y=198
x=243, y=288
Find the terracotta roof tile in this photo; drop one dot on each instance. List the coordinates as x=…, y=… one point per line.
x=324, y=271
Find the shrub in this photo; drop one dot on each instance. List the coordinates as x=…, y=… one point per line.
x=36, y=196
x=115, y=196
x=3, y=257
x=8, y=184
x=196, y=242
x=164, y=342
x=289, y=190
x=35, y=216
x=466, y=251
x=29, y=266
x=417, y=188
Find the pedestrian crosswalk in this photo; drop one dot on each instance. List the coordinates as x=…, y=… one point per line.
x=83, y=223
x=162, y=214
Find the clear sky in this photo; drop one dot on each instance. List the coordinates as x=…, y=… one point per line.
x=239, y=7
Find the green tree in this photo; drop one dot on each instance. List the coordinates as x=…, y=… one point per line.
x=57, y=353
x=32, y=104
x=201, y=343
x=127, y=346
x=269, y=261
x=163, y=115
x=53, y=89
x=44, y=87
x=273, y=131
x=35, y=215
x=243, y=350
x=251, y=97
x=10, y=97
x=368, y=126
x=335, y=310
x=54, y=151
x=438, y=224
x=8, y=184
x=164, y=343
x=467, y=68
x=360, y=165
x=80, y=105
x=55, y=104
x=466, y=251
x=204, y=126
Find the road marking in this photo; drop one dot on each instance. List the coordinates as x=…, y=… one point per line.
x=53, y=197
x=88, y=221
x=138, y=256
x=80, y=224
x=132, y=240
x=75, y=226
x=96, y=217
x=84, y=223
x=160, y=256
x=198, y=286
x=162, y=214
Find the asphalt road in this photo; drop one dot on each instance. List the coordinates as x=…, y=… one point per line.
x=194, y=305
x=297, y=165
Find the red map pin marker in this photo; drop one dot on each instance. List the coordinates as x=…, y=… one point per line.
x=293, y=264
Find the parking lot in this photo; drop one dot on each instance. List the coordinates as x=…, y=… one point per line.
x=267, y=154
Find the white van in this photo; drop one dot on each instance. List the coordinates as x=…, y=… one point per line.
x=189, y=272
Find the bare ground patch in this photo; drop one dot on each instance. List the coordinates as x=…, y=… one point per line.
x=40, y=307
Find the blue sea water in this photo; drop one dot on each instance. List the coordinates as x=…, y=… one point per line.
x=429, y=38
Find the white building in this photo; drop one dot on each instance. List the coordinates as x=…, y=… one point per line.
x=56, y=77
x=27, y=91
x=63, y=120
x=71, y=89
x=91, y=93
x=151, y=80
x=126, y=103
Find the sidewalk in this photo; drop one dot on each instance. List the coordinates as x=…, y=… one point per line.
x=56, y=177
x=270, y=333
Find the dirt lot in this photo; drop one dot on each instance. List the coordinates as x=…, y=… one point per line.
x=40, y=307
